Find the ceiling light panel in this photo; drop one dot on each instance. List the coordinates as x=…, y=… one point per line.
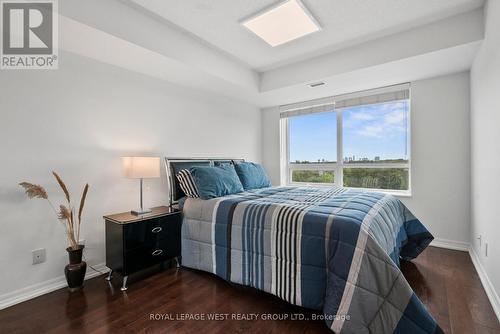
x=283, y=23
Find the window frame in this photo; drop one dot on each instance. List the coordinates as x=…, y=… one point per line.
x=287, y=167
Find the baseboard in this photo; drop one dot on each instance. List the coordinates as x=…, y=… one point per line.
x=42, y=288
x=450, y=244
x=487, y=285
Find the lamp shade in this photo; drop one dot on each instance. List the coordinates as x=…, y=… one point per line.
x=141, y=167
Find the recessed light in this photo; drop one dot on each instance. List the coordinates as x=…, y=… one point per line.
x=282, y=23
x=316, y=84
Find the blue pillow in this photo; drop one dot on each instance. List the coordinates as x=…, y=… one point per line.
x=222, y=163
x=252, y=175
x=213, y=182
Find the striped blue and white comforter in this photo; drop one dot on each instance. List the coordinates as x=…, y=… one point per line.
x=328, y=249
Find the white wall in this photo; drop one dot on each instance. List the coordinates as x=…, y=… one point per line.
x=440, y=154
x=485, y=148
x=271, y=143
x=79, y=120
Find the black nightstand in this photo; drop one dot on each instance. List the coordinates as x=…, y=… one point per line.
x=135, y=242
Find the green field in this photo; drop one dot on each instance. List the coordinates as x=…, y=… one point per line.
x=313, y=176
x=377, y=178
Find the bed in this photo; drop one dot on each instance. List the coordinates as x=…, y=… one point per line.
x=324, y=248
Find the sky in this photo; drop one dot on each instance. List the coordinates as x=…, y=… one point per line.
x=368, y=131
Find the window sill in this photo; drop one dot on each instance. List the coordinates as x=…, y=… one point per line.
x=396, y=193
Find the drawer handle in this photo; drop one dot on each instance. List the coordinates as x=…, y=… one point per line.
x=156, y=229
x=157, y=252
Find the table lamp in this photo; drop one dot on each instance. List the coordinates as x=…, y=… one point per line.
x=141, y=168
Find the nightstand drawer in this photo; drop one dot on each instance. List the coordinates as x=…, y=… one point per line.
x=143, y=257
x=144, y=234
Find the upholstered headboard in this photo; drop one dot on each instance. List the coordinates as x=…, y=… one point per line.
x=174, y=165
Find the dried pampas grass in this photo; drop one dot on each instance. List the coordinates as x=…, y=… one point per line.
x=34, y=190
x=63, y=186
x=80, y=210
x=65, y=212
x=82, y=201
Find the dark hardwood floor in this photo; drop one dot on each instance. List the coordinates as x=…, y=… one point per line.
x=445, y=280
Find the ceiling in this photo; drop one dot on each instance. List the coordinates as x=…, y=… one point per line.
x=143, y=42
x=344, y=23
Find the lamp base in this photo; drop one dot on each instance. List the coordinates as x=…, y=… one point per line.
x=140, y=212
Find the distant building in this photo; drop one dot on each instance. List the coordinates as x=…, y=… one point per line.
x=377, y=158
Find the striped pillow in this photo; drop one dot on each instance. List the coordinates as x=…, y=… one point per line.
x=187, y=184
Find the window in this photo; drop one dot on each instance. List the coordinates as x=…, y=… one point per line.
x=357, y=140
x=313, y=147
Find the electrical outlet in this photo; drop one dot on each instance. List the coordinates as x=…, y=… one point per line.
x=39, y=255
x=82, y=242
x=486, y=249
